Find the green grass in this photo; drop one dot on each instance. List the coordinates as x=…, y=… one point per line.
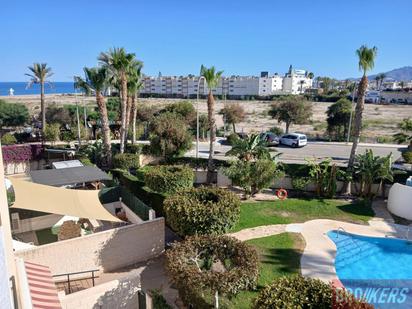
x=279, y=256
x=294, y=210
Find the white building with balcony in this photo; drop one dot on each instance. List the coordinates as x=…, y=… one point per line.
x=293, y=82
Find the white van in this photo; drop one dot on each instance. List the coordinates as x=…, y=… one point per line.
x=294, y=140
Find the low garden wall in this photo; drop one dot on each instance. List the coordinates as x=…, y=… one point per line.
x=399, y=201
x=33, y=224
x=108, y=250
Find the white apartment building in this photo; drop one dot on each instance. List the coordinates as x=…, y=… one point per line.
x=293, y=82
x=296, y=81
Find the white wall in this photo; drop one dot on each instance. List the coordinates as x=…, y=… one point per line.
x=108, y=250
x=400, y=201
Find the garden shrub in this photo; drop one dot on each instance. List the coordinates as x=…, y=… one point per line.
x=201, y=211
x=203, y=266
x=52, y=132
x=232, y=138
x=21, y=153
x=253, y=176
x=301, y=292
x=407, y=156
x=152, y=199
x=134, y=148
x=8, y=139
x=126, y=161
x=169, y=178
x=300, y=183
x=169, y=135
x=159, y=302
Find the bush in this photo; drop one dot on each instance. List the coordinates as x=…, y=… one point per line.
x=201, y=266
x=52, y=132
x=126, y=161
x=253, y=176
x=170, y=136
x=276, y=130
x=232, y=138
x=301, y=292
x=169, y=178
x=134, y=148
x=159, y=302
x=184, y=109
x=407, y=156
x=21, y=153
x=8, y=139
x=201, y=211
x=300, y=183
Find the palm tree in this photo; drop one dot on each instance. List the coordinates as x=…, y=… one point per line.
x=212, y=78
x=118, y=62
x=134, y=84
x=366, y=62
x=96, y=81
x=250, y=149
x=311, y=75
x=40, y=74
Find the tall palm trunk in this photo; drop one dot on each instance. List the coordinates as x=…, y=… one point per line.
x=363, y=85
x=211, y=121
x=128, y=111
x=101, y=104
x=123, y=106
x=42, y=108
x=134, y=116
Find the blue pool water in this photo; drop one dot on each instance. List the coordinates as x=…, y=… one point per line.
x=377, y=269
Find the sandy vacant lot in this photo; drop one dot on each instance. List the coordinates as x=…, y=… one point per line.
x=380, y=120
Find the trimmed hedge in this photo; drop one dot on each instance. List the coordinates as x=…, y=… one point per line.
x=169, y=178
x=202, y=211
x=126, y=161
x=152, y=199
x=300, y=292
x=200, y=266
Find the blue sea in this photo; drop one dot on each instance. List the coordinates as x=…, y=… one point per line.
x=20, y=88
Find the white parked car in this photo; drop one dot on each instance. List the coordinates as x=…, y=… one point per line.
x=294, y=140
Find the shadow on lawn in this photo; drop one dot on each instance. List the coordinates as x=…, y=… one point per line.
x=359, y=208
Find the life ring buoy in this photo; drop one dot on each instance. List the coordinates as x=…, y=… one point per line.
x=281, y=194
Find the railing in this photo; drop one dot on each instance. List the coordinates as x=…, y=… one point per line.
x=67, y=275
x=353, y=241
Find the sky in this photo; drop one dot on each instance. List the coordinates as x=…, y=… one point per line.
x=174, y=37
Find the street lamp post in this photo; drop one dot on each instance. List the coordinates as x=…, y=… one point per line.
x=351, y=113
x=197, y=116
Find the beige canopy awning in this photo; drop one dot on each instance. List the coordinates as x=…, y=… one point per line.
x=61, y=201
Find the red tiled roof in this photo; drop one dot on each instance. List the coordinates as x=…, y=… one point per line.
x=42, y=288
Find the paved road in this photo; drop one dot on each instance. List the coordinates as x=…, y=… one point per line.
x=339, y=152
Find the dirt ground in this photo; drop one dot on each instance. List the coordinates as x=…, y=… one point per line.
x=379, y=120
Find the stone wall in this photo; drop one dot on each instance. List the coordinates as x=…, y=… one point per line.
x=107, y=251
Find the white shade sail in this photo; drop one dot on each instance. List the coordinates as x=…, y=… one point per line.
x=61, y=201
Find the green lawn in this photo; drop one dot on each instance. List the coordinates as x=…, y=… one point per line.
x=279, y=256
x=300, y=210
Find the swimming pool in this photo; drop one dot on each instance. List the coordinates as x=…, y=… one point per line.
x=375, y=267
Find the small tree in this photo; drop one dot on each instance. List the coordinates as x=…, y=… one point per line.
x=204, y=267
x=253, y=176
x=338, y=118
x=406, y=132
x=233, y=114
x=292, y=109
x=52, y=132
x=185, y=109
x=324, y=175
x=13, y=114
x=169, y=135
x=58, y=114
